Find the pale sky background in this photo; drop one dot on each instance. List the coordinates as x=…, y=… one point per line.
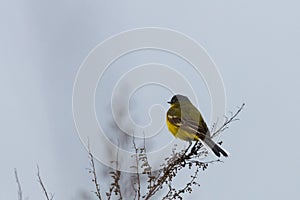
x=255, y=45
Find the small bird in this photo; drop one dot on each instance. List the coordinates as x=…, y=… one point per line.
x=185, y=122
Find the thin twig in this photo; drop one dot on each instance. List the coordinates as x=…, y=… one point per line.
x=147, y=168
x=20, y=196
x=95, y=179
x=189, y=184
x=43, y=186
x=228, y=121
x=137, y=169
x=116, y=176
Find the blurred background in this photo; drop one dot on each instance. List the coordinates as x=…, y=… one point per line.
x=255, y=45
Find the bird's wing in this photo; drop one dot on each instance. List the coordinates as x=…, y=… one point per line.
x=193, y=127
x=193, y=118
x=186, y=123
x=174, y=116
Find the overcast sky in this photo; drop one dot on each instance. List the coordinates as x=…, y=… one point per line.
x=255, y=45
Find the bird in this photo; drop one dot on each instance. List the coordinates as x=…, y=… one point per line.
x=185, y=122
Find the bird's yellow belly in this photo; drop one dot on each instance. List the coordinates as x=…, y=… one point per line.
x=181, y=134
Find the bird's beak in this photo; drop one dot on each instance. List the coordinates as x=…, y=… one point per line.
x=169, y=102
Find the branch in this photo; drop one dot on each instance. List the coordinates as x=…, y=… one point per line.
x=20, y=196
x=175, y=163
x=138, y=190
x=43, y=186
x=147, y=169
x=116, y=176
x=174, y=194
x=95, y=179
x=228, y=121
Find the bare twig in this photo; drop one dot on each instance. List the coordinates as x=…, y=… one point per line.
x=93, y=172
x=189, y=184
x=116, y=176
x=20, y=196
x=147, y=169
x=228, y=121
x=138, y=190
x=174, y=194
x=48, y=196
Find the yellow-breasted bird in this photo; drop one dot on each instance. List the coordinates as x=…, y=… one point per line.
x=185, y=122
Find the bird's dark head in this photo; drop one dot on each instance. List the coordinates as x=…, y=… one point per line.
x=178, y=99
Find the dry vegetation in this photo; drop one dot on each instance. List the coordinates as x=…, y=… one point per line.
x=146, y=183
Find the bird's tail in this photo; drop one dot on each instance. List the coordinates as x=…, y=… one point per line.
x=215, y=147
